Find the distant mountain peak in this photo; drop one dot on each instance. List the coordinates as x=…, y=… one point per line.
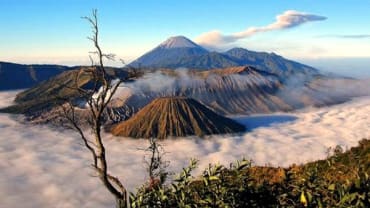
x=180, y=52
x=178, y=42
x=172, y=49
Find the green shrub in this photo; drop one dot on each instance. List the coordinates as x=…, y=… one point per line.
x=342, y=180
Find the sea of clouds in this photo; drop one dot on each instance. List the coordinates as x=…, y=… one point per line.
x=44, y=167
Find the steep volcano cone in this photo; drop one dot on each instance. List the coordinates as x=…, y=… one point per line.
x=175, y=116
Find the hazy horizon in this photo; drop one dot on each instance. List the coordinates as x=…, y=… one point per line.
x=356, y=67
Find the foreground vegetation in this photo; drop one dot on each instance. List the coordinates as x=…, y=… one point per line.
x=341, y=180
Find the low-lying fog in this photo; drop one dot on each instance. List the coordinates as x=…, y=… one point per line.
x=41, y=167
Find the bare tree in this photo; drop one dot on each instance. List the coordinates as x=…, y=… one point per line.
x=97, y=99
x=155, y=164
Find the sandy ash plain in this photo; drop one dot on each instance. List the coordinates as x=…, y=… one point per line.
x=45, y=167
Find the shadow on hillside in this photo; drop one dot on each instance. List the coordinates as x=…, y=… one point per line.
x=257, y=121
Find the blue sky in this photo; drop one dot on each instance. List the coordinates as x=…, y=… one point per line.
x=48, y=31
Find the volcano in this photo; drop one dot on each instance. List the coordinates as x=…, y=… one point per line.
x=180, y=52
x=175, y=117
x=171, y=49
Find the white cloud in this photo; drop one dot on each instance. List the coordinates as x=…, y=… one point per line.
x=7, y=97
x=352, y=36
x=288, y=19
x=41, y=167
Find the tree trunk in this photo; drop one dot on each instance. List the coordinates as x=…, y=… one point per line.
x=121, y=203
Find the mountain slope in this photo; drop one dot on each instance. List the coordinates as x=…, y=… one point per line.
x=235, y=57
x=227, y=91
x=19, y=76
x=234, y=90
x=175, y=116
x=241, y=90
x=180, y=52
x=178, y=42
x=211, y=60
x=49, y=93
x=268, y=62
x=172, y=48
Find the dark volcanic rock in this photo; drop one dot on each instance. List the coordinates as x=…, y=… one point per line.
x=175, y=116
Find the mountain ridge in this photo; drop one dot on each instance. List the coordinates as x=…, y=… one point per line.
x=180, y=52
x=227, y=91
x=20, y=76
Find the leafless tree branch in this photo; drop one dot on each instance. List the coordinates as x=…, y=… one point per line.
x=97, y=99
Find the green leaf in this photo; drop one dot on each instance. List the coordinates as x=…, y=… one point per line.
x=303, y=199
x=213, y=178
x=348, y=198
x=244, y=164
x=309, y=196
x=182, y=195
x=320, y=204
x=331, y=187
x=205, y=181
x=357, y=183
x=164, y=197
